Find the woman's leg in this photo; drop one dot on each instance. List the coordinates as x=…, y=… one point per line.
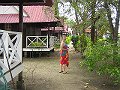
x=61, y=68
x=64, y=69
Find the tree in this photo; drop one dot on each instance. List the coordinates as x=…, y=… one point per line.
x=55, y=8
x=113, y=6
x=89, y=9
x=102, y=56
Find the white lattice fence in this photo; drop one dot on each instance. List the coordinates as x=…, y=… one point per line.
x=39, y=41
x=11, y=53
x=36, y=41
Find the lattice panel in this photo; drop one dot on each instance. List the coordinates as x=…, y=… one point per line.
x=36, y=41
x=10, y=49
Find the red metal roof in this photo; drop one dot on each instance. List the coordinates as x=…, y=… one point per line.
x=35, y=14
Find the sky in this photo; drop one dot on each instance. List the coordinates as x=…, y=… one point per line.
x=62, y=11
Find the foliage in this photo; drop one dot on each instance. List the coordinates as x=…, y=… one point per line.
x=111, y=8
x=68, y=40
x=101, y=58
x=104, y=9
x=102, y=25
x=76, y=43
x=70, y=23
x=55, y=8
x=80, y=42
x=36, y=44
x=83, y=43
x=104, y=55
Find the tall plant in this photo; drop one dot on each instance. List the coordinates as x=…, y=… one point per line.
x=99, y=58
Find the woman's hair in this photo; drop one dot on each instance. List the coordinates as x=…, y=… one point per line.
x=64, y=35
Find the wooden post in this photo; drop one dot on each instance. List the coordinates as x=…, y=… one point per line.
x=20, y=85
x=40, y=31
x=48, y=35
x=61, y=35
x=54, y=31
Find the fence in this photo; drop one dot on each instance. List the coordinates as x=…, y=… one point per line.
x=39, y=41
x=10, y=52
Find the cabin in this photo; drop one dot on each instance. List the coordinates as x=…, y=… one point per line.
x=39, y=26
x=11, y=41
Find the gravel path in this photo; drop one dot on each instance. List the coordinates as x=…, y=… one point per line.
x=42, y=74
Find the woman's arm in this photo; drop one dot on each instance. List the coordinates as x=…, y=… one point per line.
x=61, y=45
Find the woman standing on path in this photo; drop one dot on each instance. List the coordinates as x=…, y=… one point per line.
x=63, y=56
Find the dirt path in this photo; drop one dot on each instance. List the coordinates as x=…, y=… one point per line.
x=42, y=74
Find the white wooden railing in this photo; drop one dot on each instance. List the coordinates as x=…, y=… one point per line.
x=39, y=41
x=10, y=52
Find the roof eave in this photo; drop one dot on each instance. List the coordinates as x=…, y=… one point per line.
x=43, y=2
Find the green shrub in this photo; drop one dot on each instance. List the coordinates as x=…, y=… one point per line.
x=83, y=43
x=68, y=40
x=36, y=44
x=75, y=40
x=80, y=42
x=102, y=59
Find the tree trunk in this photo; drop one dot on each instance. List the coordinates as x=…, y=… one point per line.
x=114, y=29
x=117, y=23
x=93, y=21
x=109, y=19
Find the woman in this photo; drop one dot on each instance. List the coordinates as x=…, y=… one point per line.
x=63, y=56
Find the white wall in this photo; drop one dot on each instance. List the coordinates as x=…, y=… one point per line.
x=8, y=10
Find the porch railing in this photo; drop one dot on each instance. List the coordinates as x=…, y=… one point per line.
x=10, y=51
x=39, y=41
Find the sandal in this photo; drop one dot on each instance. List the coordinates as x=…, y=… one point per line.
x=65, y=72
x=60, y=71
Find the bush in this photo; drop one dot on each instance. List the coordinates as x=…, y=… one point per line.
x=36, y=44
x=68, y=40
x=75, y=40
x=80, y=42
x=102, y=59
x=83, y=43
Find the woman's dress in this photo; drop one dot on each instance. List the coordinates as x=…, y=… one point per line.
x=64, y=55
